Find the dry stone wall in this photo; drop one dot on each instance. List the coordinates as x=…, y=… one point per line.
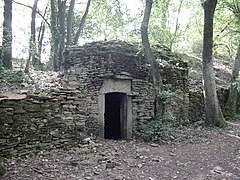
x=60, y=118
x=40, y=122
x=87, y=67
x=94, y=63
x=196, y=104
x=142, y=112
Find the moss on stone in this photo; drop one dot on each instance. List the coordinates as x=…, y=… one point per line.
x=32, y=107
x=229, y=110
x=41, y=96
x=19, y=118
x=222, y=121
x=231, y=105
x=2, y=159
x=2, y=169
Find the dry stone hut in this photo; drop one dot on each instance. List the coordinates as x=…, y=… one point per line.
x=116, y=88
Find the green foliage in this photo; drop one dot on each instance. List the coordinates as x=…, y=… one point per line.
x=2, y=169
x=165, y=100
x=231, y=106
x=13, y=79
x=197, y=47
x=12, y=76
x=159, y=129
x=226, y=25
x=222, y=121
x=166, y=95
x=236, y=117
x=100, y=26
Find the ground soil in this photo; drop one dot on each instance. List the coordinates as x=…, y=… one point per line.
x=204, y=154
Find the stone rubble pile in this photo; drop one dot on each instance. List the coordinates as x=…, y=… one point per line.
x=35, y=81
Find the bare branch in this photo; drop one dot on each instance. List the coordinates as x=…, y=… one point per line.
x=82, y=22
x=36, y=12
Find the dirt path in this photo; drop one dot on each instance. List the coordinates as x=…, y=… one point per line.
x=216, y=156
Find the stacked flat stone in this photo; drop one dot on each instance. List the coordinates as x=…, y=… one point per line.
x=60, y=118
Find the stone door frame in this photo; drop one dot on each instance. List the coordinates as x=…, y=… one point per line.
x=117, y=86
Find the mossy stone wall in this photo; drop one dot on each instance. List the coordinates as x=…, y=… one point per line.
x=86, y=68
x=39, y=122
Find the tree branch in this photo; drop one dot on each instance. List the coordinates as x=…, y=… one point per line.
x=36, y=12
x=82, y=22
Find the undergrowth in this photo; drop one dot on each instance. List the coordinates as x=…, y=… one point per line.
x=2, y=169
x=160, y=128
x=13, y=79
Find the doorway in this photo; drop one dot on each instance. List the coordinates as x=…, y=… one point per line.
x=115, y=116
x=115, y=94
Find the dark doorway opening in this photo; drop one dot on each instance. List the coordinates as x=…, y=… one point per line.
x=115, y=115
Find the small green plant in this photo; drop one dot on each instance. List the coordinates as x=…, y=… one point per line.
x=2, y=169
x=165, y=100
x=237, y=117
x=166, y=95
x=159, y=129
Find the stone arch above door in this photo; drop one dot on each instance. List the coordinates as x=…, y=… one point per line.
x=118, y=86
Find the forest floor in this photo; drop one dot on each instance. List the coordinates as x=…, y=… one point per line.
x=207, y=154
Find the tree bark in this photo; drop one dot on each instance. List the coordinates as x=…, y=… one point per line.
x=55, y=37
x=213, y=112
x=32, y=41
x=69, y=22
x=7, y=35
x=231, y=105
x=150, y=57
x=41, y=33
x=80, y=27
x=164, y=15
x=177, y=25
x=61, y=15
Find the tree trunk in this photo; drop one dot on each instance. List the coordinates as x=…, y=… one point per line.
x=61, y=15
x=231, y=105
x=213, y=112
x=80, y=27
x=38, y=62
x=150, y=57
x=164, y=14
x=7, y=35
x=32, y=41
x=55, y=37
x=177, y=25
x=69, y=22
x=40, y=44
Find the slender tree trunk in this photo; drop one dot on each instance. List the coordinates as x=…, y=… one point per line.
x=213, y=112
x=40, y=44
x=55, y=37
x=164, y=15
x=69, y=22
x=7, y=35
x=231, y=105
x=38, y=62
x=150, y=57
x=177, y=25
x=32, y=41
x=80, y=27
x=61, y=15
